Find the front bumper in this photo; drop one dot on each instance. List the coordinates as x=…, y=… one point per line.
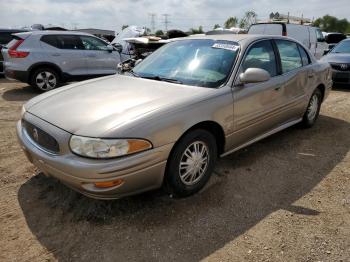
x=140, y=172
x=341, y=77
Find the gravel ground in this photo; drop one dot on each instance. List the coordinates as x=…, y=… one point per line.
x=286, y=198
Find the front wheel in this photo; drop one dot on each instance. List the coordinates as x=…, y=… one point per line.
x=44, y=79
x=313, y=109
x=191, y=163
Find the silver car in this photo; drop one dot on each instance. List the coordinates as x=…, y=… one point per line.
x=166, y=123
x=44, y=59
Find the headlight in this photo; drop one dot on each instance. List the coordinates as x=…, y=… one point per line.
x=23, y=110
x=106, y=148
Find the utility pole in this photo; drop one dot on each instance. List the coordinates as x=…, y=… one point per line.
x=166, y=21
x=153, y=21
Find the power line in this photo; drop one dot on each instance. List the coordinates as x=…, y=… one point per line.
x=153, y=22
x=166, y=21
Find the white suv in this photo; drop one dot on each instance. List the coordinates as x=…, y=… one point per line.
x=45, y=59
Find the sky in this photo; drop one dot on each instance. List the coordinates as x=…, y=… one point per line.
x=183, y=14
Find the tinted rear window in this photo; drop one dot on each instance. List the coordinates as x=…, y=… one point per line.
x=63, y=41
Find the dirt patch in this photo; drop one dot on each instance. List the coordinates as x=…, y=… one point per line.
x=286, y=198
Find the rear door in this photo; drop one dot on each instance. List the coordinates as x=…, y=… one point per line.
x=258, y=106
x=321, y=45
x=296, y=76
x=300, y=33
x=100, y=60
x=66, y=51
x=266, y=29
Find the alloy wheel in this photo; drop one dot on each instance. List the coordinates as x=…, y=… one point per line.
x=45, y=81
x=194, y=163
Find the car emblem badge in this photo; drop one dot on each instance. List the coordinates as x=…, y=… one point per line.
x=343, y=66
x=35, y=134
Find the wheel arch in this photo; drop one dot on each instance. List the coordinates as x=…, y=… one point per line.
x=211, y=126
x=36, y=66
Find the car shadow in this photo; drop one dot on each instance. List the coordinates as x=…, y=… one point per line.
x=247, y=186
x=20, y=94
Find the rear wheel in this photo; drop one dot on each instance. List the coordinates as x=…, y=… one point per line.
x=191, y=163
x=313, y=109
x=44, y=79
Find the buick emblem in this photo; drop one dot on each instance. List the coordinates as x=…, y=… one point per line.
x=35, y=134
x=344, y=66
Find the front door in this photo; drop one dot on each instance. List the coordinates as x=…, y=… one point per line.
x=257, y=106
x=100, y=60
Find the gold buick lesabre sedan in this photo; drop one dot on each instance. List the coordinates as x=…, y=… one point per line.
x=165, y=123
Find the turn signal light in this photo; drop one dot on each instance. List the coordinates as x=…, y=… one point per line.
x=107, y=184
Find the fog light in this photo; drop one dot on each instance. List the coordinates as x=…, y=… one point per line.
x=107, y=184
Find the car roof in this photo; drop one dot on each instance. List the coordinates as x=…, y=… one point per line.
x=243, y=39
x=7, y=30
x=54, y=32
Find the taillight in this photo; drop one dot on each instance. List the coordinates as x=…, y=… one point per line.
x=17, y=54
x=284, y=33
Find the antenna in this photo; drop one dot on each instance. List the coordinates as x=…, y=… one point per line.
x=153, y=21
x=166, y=21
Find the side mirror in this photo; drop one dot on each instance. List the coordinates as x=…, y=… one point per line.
x=109, y=48
x=254, y=75
x=321, y=40
x=326, y=51
x=118, y=47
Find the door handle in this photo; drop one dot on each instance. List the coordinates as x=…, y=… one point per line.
x=311, y=76
x=56, y=54
x=278, y=88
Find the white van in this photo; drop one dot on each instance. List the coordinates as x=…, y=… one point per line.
x=311, y=37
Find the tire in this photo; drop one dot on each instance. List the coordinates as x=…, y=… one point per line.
x=44, y=79
x=313, y=109
x=180, y=181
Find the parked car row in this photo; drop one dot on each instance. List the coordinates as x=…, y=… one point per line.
x=165, y=123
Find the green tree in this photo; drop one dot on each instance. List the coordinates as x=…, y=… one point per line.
x=159, y=33
x=216, y=26
x=198, y=30
x=249, y=18
x=231, y=22
x=329, y=23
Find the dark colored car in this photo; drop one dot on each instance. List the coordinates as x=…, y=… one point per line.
x=5, y=38
x=339, y=59
x=332, y=39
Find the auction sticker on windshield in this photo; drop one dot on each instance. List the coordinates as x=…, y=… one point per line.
x=226, y=46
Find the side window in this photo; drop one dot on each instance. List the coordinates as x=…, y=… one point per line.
x=261, y=55
x=69, y=42
x=92, y=43
x=290, y=56
x=304, y=56
x=50, y=40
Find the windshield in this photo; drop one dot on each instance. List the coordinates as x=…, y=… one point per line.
x=342, y=47
x=205, y=63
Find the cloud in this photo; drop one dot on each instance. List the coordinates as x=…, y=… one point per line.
x=112, y=14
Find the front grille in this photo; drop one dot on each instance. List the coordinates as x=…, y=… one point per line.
x=341, y=67
x=41, y=138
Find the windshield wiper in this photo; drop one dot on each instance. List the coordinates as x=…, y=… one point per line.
x=165, y=79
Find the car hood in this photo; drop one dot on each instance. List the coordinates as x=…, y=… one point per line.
x=336, y=58
x=92, y=108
